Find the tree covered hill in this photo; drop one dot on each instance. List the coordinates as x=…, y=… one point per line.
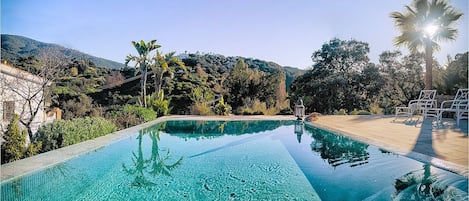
x=216, y=65
x=207, y=78
x=212, y=75
x=15, y=47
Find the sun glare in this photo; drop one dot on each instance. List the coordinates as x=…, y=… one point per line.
x=430, y=30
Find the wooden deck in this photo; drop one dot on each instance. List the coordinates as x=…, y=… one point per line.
x=443, y=145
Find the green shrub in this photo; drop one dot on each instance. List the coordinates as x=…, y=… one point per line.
x=14, y=146
x=201, y=109
x=375, y=109
x=62, y=133
x=221, y=108
x=124, y=121
x=131, y=115
x=159, y=105
x=256, y=107
x=81, y=106
x=340, y=112
x=249, y=111
x=144, y=114
x=33, y=149
x=359, y=112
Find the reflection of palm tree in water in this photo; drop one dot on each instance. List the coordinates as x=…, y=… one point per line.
x=139, y=164
x=156, y=163
x=425, y=187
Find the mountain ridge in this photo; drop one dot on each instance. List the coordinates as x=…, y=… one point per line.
x=15, y=46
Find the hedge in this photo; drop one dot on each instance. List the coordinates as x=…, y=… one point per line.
x=62, y=133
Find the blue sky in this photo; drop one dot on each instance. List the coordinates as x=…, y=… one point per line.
x=285, y=32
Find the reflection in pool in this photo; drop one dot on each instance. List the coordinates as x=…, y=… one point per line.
x=238, y=160
x=156, y=164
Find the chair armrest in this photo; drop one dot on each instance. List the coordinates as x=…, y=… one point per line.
x=446, y=104
x=412, y=102
x=450, y=103
x=422, y=104
x=430, y=103
x=464, y=105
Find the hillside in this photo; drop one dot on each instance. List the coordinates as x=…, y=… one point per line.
x=14, y=47
x=216, y=65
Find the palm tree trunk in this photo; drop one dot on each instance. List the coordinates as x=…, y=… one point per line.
x=143, y=86
x=158, y=84
x=428, y=65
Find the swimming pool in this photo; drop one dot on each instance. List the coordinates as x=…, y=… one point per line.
x=237, y=160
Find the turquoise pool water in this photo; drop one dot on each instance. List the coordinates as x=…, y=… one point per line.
x=238, y=160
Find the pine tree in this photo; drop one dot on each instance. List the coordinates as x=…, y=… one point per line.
x=15, y=142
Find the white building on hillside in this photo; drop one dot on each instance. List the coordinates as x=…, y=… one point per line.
x=22, y=93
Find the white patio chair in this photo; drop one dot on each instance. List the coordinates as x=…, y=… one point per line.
x=425, y=102
x=459, y=105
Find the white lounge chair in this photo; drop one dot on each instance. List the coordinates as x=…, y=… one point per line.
x=459, y=105
x=425, y=102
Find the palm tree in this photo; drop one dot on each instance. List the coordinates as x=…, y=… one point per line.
x=423, y=26
x=163, y=64
x=142, y=62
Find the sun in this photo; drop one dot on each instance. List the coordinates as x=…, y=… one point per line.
x=430, y=30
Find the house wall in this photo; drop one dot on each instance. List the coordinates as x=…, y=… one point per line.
x=17, y=85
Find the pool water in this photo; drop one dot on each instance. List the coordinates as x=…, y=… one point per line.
x=238, y=160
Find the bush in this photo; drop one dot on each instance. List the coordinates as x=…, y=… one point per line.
x=131, y=115
x=33, y=149
x=14, y=146
x=144, y=114
x=125, y=121
x=221, y=108
x=256, y=107
x=201, y=109
x=159, y=105
x=359, y=112
x=79, y=107
x=62, y=133
x=340, y=112
x=375, y=109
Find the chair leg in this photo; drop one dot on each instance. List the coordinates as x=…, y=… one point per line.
x=400, y=111
x=439, y=115
x=410, y=113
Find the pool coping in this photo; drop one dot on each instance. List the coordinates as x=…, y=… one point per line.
x=38, y=162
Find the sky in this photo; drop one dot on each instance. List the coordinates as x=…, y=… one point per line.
x=286, y=32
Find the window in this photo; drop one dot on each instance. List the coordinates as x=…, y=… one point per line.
x=8, y=110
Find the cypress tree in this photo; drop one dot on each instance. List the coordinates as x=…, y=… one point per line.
x=15, y=141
